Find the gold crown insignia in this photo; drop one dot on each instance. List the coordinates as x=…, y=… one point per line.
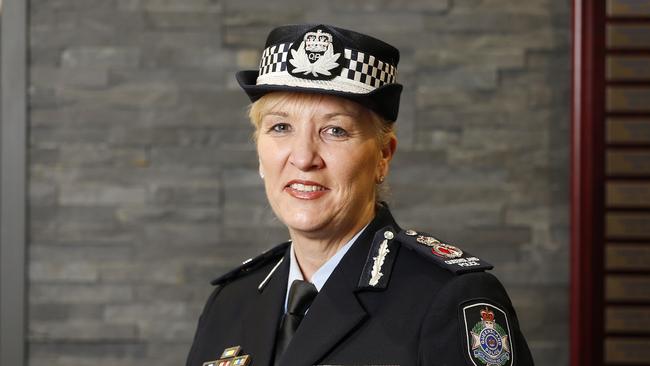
x=487, y=315
x=317, y=41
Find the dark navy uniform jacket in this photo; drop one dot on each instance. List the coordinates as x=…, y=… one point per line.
x=423, y=309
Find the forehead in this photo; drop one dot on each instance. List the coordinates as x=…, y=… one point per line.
x=299, y=103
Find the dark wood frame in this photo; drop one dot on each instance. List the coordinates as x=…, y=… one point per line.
x=587, y=183
x=13, y=132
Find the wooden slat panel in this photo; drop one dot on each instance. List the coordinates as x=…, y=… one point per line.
x=627, y=194
x=631, y=36
x=622, y=8
x=627, y=288
x=626, y=350
x=627, y=319
x=631, y=257
x=631, y=351
x=628, y=67
x=628, y=130
x=627, y=225
x=628, y=99
x=628, y=162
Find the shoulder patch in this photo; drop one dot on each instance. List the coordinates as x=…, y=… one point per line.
x=252, y=264
x=486, y=334
x=447, y=256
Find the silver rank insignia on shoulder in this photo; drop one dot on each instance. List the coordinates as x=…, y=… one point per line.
x=445, y=255
x=411, y=232
x=438, y=248
x=230, y=357
x=376, y=271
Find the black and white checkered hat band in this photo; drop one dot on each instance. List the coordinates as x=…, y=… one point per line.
x=361, y=73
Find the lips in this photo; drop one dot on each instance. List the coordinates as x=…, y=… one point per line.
x=306, y=190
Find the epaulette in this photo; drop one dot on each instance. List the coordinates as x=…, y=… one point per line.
x=252, y=264
x=447, y=256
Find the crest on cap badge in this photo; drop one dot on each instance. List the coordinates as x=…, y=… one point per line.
x=488, y=339
x=315, y=56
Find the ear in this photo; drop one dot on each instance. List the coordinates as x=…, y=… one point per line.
x=261, y=170
x=387, y=152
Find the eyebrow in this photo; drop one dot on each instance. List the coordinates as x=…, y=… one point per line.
x=336, y=114
x=326, y=116
x=281, y=114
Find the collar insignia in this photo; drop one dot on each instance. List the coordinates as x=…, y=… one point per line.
x=252, y=264
x=376, y=271
x=266, y=279
x=379, y=259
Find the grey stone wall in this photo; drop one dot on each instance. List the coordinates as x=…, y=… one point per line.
x=143, y=180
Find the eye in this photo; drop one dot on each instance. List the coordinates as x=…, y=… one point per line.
x=335, y=131
x=280, y=128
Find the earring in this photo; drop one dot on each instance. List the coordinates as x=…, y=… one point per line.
x=261, y=174
x=381, y=179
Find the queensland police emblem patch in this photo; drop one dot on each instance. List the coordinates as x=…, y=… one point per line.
x=316, y=55
x=488, y=335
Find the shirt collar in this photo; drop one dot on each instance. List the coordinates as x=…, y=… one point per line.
x=323, y=273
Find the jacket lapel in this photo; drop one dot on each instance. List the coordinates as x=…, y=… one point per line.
x=336, y=311
x=263, y=315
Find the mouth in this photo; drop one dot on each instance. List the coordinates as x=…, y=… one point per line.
x=306, y=190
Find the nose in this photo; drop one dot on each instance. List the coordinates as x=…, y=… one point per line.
x=305, y=153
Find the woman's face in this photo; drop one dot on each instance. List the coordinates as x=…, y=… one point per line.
x=320, y=159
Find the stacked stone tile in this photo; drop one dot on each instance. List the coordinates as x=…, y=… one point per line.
x=143, y=178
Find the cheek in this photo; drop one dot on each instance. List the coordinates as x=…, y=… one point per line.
x=268, y=156
x=273, y=160
x=359, y=172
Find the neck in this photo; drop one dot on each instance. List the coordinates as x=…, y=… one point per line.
x=315, y=249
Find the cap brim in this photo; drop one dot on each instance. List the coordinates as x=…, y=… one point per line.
x=383, y=100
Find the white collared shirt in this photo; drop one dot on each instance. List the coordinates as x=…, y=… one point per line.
x=323, y=273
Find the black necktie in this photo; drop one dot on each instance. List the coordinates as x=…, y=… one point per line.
x=301, y=295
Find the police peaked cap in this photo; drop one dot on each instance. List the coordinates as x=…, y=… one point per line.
x=327, y=60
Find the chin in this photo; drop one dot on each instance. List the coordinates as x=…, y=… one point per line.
x=305, y=220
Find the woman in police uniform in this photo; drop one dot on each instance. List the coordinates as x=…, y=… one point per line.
x=351, y=287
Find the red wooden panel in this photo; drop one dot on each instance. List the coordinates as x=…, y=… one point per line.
x=587, y=183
